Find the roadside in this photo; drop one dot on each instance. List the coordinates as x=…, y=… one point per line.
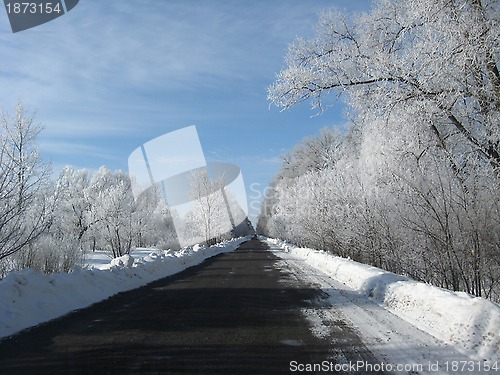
x=31, y=297
x=237, y=313
x=396, y=342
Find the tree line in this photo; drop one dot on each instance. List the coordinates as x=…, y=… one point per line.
x=412, y=183
x=52, y=224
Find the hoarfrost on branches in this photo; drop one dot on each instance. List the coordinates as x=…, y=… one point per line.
x=413, y=185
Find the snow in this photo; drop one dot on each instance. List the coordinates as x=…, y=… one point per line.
x=400, y=321
x=30, y=297
x=431, y=322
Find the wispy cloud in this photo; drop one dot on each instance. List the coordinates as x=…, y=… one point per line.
x=143, y=46
x=58, y=147
x=110, y=75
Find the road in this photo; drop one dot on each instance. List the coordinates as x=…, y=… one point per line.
x=237, y=313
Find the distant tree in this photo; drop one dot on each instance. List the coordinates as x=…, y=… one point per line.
x=211, y=209
x=161, y=231
x=116, y=210
x=77, y=204
x=313, y=154
x=24, y=208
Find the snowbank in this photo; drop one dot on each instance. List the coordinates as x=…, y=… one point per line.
x=464, y=320
x=30, y=297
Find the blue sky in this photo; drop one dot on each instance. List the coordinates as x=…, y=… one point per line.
x=112, y=75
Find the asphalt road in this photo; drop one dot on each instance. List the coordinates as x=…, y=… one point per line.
x=236, y=313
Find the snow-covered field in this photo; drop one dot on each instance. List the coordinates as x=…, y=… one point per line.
x=400, y=320
x=29, y=297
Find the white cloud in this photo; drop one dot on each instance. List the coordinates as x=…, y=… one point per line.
x=139, y=68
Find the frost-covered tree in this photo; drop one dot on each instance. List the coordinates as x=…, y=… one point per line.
x=211, y=214
x=96, y=211
x=416, y=187
x=121, y=221
x=24, y=209
x=77, y=204
x=115, y=210
x=313, y=154
x=60, y=247
x=402, y=209
x=50, y=225
x=438, y=58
